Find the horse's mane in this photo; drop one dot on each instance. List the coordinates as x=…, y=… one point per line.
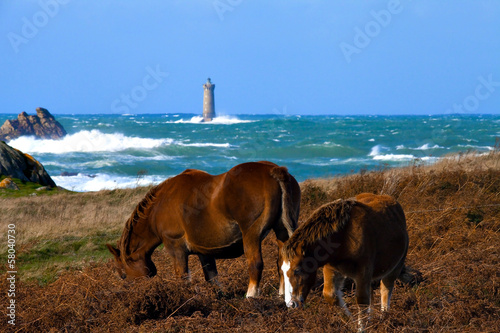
x=140, y=213
x=323, y=222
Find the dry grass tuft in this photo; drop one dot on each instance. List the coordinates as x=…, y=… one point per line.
x=453, y=214
x=68, y=213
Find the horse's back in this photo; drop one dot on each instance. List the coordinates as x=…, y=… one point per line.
x=248, y=189
x=245, y=185
x=383, y=207
x=212, y=211
x=381, y=224
x=376, y=201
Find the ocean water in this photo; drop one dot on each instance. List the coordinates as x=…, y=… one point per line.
x=118, y=151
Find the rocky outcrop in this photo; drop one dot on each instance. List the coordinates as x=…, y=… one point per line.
x=9, y=184
x=15, y=164
x=43, y=126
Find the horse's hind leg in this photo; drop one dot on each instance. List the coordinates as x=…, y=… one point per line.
x=209, y=268
x=253, y=253
x=386, y=286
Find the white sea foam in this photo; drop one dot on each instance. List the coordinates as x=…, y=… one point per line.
x=429, y=159
x=331, y=144
x=99, y=164
x=377, y=150
x=394, y=157
x=85, y=183
x=348, y=161
x=206, y=144
x=156, y=158
x=477, y=147
x=220, y=120
x=425, y=146
x=324, y=144
x=96, y=141
x=86, y=141
x=428, y=146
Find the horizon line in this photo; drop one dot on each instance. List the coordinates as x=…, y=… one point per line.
x=266, y=114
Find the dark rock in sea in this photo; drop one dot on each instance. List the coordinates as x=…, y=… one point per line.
x=15, y=164
x=43, y=126
x=69, y=174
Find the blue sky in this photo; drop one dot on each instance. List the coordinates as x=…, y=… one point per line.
x=282, y=56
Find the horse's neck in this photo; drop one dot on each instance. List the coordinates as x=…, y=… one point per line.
x=325, y=249
x=143, y=241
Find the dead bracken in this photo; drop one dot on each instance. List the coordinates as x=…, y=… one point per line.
x=452, y=284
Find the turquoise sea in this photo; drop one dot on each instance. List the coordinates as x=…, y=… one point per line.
x=117, y=151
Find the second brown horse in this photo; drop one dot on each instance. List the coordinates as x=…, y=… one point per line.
x=364, y=238
x=220, y=216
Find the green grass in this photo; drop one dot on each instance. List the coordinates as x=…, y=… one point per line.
x=26, y=189
x=43, y=260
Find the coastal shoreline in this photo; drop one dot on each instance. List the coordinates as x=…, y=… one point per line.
x=112, y=151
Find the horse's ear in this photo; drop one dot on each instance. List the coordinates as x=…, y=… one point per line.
x=280, y=243
x=113, y=250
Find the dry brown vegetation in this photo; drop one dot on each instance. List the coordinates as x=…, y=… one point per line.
x=453, y=215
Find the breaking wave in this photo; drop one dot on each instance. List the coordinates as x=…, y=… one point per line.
x=97, y=182
x=221, y=120
x=96, y=141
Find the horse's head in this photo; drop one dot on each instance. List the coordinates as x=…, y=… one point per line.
x=132, y=267
x=299, y=277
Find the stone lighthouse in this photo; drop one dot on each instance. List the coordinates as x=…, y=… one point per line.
x=208, y=101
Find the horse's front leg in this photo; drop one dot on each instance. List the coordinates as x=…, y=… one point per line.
x=332, y=289
x=363, y=299
x=179, y=254
x=252, y=248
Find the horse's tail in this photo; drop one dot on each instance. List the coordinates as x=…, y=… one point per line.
x=290, y=198
x=410, y=276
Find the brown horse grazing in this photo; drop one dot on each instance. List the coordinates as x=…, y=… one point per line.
x=364, y=238
x=219, y=216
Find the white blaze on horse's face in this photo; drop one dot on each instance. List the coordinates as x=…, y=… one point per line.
x=288, y=286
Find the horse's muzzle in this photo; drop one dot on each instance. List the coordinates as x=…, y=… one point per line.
x=293, y=304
